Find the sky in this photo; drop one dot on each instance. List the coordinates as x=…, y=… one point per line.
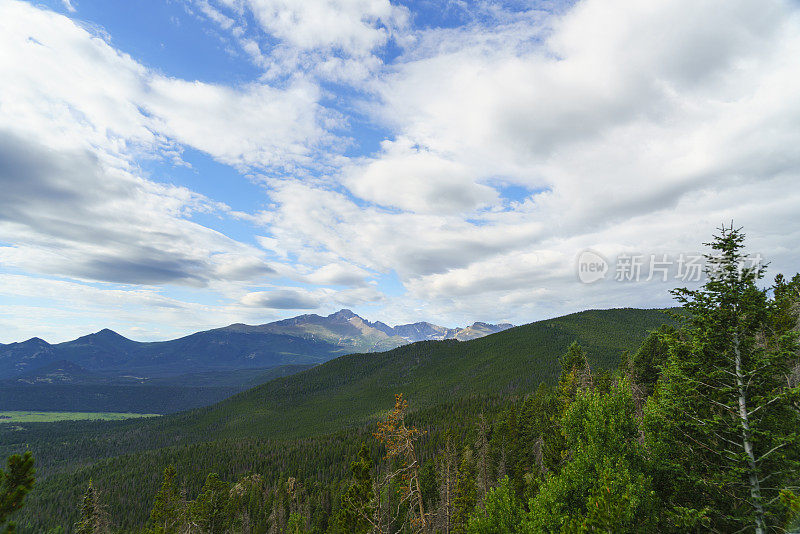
x=170, y=166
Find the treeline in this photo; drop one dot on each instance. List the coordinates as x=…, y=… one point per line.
x=696, y=431
x=126, y=484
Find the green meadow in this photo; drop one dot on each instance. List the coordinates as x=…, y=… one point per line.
x=49, y=417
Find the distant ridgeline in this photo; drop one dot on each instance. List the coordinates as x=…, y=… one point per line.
x=309, y=425
x=108, y=372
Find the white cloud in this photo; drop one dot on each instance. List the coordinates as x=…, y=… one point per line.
x=254, y=126
x=75, y=116
x=281, y=299
x=312, y=222
x=639, y=124
x=339, y=41
x=636, y=126
x=420, y=181
x=287, y=298
x=354, y=27
x=127, y=109
x=343, y=274
x=67, y=214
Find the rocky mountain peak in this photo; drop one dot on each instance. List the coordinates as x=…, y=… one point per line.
x=343, y=315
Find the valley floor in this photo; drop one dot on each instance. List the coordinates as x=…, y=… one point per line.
x=48, y=417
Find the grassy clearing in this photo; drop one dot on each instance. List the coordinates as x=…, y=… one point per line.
x=49, y=417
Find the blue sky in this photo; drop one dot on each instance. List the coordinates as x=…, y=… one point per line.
x=170, y=166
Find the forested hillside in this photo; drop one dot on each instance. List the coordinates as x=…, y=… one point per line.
x=441, y=377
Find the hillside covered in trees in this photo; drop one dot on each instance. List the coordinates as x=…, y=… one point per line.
x=587, y=423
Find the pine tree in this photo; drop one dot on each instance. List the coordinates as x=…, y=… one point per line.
x=358, y=508
x=429, y=484
x=539, y=431
x=209, y=511
x=93, y=518
x=482, y=457
x=448, y=469
x=500, y=514
x=466, y=493
x=513, y=452
x=85, y=524
x=167, y=507
x=399, y=440
x=724, y=421
x=644, y=366
x=15, y=483
x=603, y=485
x=575, y=373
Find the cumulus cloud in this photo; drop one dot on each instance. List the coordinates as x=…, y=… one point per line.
x=312, y=221
x=281, y=299
x=67, y=214
x=75, y=201
x=256, y=126
x=128, y=109
x=420, y=181
x=632, y=124
x=353, y=27
x=340, y=41
x=512, y=143
x=341, y=274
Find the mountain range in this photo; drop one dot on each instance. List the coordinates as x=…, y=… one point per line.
x=106, y=356
x=107, y=372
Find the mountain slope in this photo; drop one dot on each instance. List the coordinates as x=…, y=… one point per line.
x=352, y=389
x=277, y=425
x=58, y=372
x=347, y=329
x=349, y=390
x=303, y=340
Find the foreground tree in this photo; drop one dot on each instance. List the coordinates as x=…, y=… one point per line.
x=723, y=424
x=167, y=514
x=357, y=514
x=466, y=493
x=501, y=512
x=93, y=519
x=399, y=440
x=15, y=483
x=209, y=512
x=604, y=484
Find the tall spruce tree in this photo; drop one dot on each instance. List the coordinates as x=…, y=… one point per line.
x=723, y=424
x=209, y=512
x=93, y=518
x=466, y=493
x=166, y=516
x=15, y=483
x=357, y=514
x=603, y=485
